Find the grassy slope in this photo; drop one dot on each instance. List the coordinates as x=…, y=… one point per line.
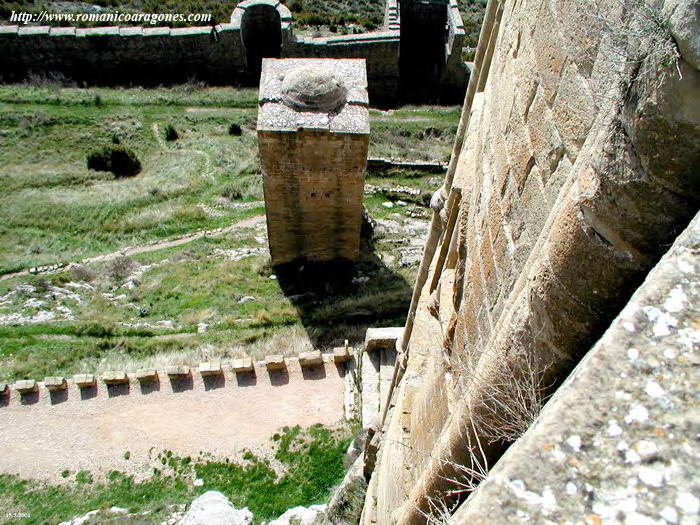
x=53, y=209
x=312, y=460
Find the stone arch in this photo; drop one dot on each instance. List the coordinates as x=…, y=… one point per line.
x=261, y=33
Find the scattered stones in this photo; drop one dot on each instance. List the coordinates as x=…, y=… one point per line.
x=94, y=515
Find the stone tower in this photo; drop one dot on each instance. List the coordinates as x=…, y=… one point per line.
x=422, y=48
x=313, y=135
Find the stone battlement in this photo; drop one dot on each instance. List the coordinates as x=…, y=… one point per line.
x=206, y=376
x=223, y=54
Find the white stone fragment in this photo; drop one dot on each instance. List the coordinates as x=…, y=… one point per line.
x=688, y=503
x=650, y=476
x=637, y=414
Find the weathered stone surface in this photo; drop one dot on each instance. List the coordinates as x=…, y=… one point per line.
x=617, y=442
x=313, y=88
x=178, y=371
x=576, y=171
x=26, y=386
x=312, y=358
x=4, y=389
x=313, y=161
x=341, y=354
x=84, y=380
x=210, y=369
x=115, y=377
x=54, y=383
x=241, y=365
x=377, y=338
x=213, y=507
x=275, y=362
x=300, y=516
x=146, y=375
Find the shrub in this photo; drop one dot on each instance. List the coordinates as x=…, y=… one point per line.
x=171, y=133
x=235, y=130
x=295, y=6
x=116, y=158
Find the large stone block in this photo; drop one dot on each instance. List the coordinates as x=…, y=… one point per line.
x=242, y=365
x=378, y=338
x=84, y=380
x=341, y=354
x=178, y=371
x=275, y=362
x=115, y=377
x=313, y=358
x=145, y=375
x=55, y=383
x=210, y=368
x=26, y=386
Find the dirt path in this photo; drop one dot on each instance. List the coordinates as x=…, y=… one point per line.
x=150, y=247
x=46, y=433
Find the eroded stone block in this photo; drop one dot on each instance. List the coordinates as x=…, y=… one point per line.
x=242, y=365
x=26, y=386
x=54, y=383
x=275, y=362
x=313, y=358
x=210, y=368
x=341, y=354
x=84, y=380
x=115, y=377
x=378, y=338
x=178, y=371
x=146, y=375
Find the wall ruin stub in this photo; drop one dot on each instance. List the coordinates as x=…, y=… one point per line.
x=313, y=135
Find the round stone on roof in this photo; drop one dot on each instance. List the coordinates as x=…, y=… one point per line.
x=313, y=88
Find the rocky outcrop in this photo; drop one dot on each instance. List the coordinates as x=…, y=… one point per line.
x=300, y=516
x=213, y=507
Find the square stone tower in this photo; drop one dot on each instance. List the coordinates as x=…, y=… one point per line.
x=313, y=135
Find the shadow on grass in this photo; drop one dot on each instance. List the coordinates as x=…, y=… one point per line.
x=340, y=299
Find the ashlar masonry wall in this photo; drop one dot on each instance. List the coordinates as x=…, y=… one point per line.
x=225, y=54
x=575, y=167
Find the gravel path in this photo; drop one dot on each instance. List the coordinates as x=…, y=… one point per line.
x=46, y=433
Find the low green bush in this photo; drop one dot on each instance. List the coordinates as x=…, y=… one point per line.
x=118, y=159
x=171, y=133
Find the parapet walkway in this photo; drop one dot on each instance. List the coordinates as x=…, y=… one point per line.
x=46, y=432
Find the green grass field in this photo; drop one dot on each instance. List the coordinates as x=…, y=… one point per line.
x=152, y=307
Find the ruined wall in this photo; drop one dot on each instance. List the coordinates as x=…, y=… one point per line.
x=575, y=167
x=224, y=54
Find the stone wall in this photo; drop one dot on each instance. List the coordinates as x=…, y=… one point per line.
x=574, y=169
x=225, y=54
